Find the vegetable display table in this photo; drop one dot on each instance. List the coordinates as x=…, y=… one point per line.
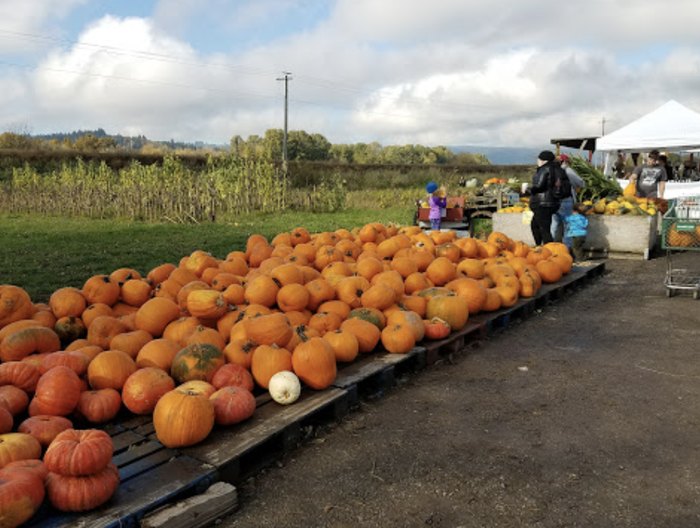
x=610, y=235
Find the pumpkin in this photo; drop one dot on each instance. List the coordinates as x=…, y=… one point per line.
x=57, y=392
x=144, y=388
x=472, y=290
x=101, y=289
x=267, y=361
x=366, y=333
x=93, y=311
x=234, y=375
x=301, y=333
x=324, y=322
x=548, y=270
x=410, y=319
x=205, y=335
x=196, y=362
x=83, y=493
x=79, y=452
x=451, y=308
x=379, y=296
x=67, y=302
x=103, y=328
x=160, y=273
x=130, y=342
x=110, y=369
x=6, y=421
x=21, y=495
x=18, y=446
x=32, y=340
x=182, y=418
x=344, y=343
x=198, y=386
x=155, y=314
x=13, y=399
x=240, y=351
x=99, y=406
x=285, y=387
x=206, y=304
x=135, y=292
x=44, y=427
x=75, y=361
x=441, y=271
x=20, y=374
x=320, y=291
x=292, y=297
x=15, y=304
x=371, y=315
x=232, y=405
x=398, y=338
x=436, y=328
x=313, y=361
x=69, y=328
x=269, y=329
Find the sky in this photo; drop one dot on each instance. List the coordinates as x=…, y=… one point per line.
x=396, y=72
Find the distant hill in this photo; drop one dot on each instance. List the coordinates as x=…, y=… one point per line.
x=504, y=155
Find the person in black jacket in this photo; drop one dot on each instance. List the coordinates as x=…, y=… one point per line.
x=542, y=203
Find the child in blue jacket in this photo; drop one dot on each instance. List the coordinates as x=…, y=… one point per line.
x=576, y=229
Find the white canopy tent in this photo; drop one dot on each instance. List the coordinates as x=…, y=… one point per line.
x=671, y=127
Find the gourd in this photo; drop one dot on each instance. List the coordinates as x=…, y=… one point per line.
x=284, y=387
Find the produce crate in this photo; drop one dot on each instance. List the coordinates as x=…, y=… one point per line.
x=680, y=226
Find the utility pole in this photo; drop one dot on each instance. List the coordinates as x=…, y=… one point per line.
x=602, y=124
x=286, y=80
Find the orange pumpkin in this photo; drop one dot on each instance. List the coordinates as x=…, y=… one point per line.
x=32, y=340
x=267, y=361
x=183, y=417
x=101, y=289
x=144, y=388
x=158, y=353
x=79, y=452
x=155, y=314
x=313, y=361
x=82, y=493
x=269, y=329
x=206, y=304
x=451, y=308
x=15, y=304
x=99, y=406
x=110, y=369
x=44, y=427
x=344, y=343
x=234, y=375
x=67, y=302
x=441, y=271
x=398, y=338
x=232, y=405
x=20, y=374
x=57, y=392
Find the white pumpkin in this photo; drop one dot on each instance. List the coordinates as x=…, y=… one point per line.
x=284, y=387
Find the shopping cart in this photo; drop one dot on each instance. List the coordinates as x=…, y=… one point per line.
x=680, y=231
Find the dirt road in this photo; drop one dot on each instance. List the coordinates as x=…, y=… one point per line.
x=587, y=414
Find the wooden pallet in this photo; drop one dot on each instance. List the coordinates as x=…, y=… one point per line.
x=154, y=476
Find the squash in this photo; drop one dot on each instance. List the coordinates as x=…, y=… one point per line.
x=196, y=362
x=21, y=494
x=18, y=446
x=183, y=417
x=284, y=387
x=82, y=493
x=44, y=427
x=144, y=388
x=232, y=405
x=76, y=453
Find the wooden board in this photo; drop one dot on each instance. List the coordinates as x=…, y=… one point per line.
x=273, y=429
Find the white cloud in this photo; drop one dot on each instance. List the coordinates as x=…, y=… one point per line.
x=25, y=22
x=396, y=71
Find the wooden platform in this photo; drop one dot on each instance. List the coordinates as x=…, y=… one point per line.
x=154, y=476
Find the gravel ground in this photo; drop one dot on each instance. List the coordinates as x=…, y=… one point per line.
x=583, y=415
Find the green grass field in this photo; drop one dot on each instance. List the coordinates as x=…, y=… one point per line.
x=42, y=254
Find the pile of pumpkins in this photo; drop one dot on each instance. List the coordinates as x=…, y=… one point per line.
x=190, y=342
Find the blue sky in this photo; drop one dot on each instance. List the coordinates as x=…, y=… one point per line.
x=444, y=72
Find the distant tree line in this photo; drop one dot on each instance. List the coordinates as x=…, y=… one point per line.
x=301, y=146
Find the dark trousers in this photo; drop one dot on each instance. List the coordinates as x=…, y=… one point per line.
x=541, y=225
x=577, y=246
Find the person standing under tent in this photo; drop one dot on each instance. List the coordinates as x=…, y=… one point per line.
x=566, y=205
x=650, y=179
x=543, y=204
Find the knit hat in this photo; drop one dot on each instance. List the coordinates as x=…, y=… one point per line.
x=546, y=155
x=431, y=187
